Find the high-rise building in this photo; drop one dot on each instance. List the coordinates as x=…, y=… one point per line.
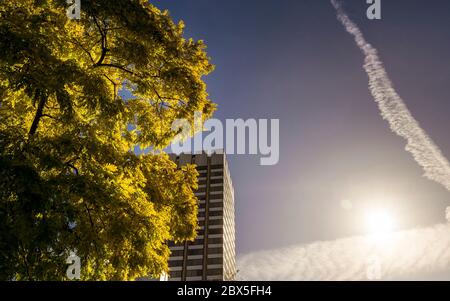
x=212, y=255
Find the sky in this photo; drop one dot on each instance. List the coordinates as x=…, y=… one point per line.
x=292, y=60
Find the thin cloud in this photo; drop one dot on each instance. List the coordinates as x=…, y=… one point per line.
x=402, y=254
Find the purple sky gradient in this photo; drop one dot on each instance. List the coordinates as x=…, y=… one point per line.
x=292, y=60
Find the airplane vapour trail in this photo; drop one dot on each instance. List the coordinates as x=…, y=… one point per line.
x=403, y=254
x=394, y=110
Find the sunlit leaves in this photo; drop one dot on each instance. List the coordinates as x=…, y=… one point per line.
x=69, y=177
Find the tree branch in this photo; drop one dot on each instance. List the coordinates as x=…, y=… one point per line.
x=85, y=50
x=115, y=66
x=38, y=115
x=49, y=116
x=114, y=86
x=92, y=225
x=103, y=33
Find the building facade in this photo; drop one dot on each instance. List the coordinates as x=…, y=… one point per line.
x=212, y=255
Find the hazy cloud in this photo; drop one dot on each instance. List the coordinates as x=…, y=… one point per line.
x=402, y=254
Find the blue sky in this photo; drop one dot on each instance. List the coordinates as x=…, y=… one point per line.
x=292, y=60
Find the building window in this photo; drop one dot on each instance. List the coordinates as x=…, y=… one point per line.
x=175, y=274
x=216, y=213
x=215, y=205
x=216, y=196
x=175, y=263
x=215, y=251
x=216, y=222
x=214, y=272
x=218, y=260
x=215, y=240
x=216, y=231
x=177, y=253
x=192, y=262
x=193, y=273
x=195, y=251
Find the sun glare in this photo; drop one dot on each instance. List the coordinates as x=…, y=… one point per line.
x=380, y=224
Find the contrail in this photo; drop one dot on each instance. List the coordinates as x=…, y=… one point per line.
x=393, y=109
x=403, y=254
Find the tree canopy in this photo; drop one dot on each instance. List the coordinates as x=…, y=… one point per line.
x=76, y=98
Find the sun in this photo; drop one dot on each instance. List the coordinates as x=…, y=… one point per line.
x=380, y=224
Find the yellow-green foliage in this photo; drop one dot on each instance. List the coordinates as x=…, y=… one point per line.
x=67, y=137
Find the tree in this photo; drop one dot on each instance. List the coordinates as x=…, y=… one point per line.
x=76, y=98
